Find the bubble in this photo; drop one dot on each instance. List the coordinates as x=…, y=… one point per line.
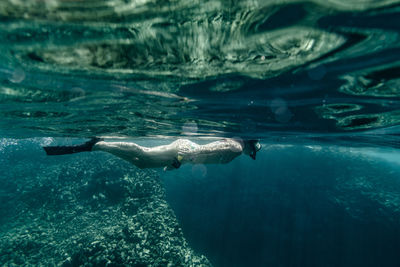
x=283, y=115
x=199, y=171
x=281, y=111
x=189, y=128
x=317, y=73
x=276, y=104
x=17, y=76
x=77, y=92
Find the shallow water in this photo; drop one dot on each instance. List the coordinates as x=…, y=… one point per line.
x=316, y=81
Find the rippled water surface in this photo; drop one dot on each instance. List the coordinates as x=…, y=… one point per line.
x=223, y=68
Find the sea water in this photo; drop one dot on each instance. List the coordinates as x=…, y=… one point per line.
x=317, y=82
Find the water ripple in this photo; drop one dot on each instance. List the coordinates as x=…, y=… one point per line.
x=145, y=67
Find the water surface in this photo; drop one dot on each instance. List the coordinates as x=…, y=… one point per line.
x=234, y=68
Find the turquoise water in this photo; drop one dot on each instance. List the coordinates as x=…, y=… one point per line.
x=317, y=82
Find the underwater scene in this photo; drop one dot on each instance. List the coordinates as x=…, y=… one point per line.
x=200, y=133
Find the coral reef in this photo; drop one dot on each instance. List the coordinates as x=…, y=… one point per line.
x=71, y=212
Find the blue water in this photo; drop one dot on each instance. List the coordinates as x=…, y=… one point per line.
x=317, y=82
x=296, y=206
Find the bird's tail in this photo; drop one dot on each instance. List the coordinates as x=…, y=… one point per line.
x=62, y=150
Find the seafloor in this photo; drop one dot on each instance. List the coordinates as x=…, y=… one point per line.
x=88, y=211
